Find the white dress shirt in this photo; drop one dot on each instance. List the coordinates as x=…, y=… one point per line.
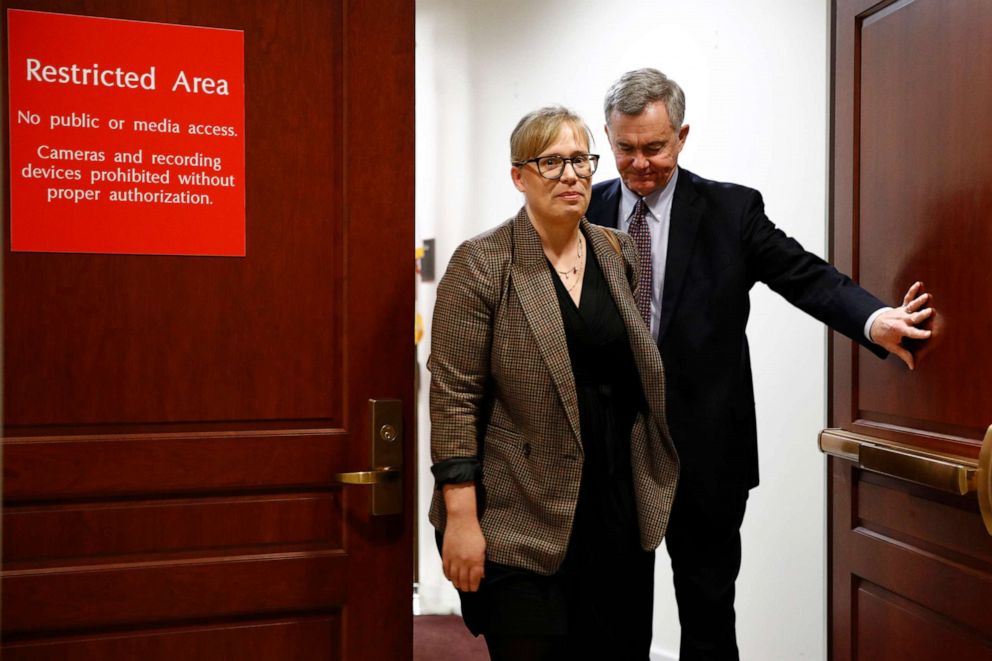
x=659, y=219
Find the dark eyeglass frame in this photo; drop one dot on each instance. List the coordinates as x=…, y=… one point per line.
x=565, y=160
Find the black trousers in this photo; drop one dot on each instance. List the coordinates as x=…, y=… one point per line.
x=704, y=543
x=597, y=607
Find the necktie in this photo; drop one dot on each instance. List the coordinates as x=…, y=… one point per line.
x=638, y=231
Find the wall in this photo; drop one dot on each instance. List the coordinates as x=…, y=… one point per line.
x=756, y=80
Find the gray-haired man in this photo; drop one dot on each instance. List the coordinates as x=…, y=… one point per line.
x=703, y=246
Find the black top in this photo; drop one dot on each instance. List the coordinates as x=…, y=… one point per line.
x=609, y=395
x=600, y=599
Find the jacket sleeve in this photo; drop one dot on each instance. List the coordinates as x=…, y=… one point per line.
x=461, y=338
x=803, y=279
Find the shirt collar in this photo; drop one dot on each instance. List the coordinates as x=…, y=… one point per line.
x=657, y=202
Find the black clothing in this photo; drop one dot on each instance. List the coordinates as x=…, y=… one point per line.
x=705, y=548
x=720, y=244
x=599, y=604
x=610, y=577
x=609, y=395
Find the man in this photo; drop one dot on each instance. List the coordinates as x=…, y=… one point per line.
x=702, y=246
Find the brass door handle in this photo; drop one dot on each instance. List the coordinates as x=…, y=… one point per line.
x=376, y=476
x=950, y=473
x=983, y=480
x=385, y=455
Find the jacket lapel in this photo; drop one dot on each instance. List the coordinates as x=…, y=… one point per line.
x=685, y=220
x=615, y=272
x=536, y=292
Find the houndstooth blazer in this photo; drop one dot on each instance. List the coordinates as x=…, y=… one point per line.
x=503, y=391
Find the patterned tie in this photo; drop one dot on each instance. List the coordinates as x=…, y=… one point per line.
x=638, y=231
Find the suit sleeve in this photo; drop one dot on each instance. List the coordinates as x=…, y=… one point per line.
x=803, y=279
x=461, y=338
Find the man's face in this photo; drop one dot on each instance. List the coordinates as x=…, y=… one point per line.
x=646, y=147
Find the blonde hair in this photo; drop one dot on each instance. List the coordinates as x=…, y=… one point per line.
x=538, y=129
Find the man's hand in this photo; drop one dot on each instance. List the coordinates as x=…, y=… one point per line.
x=890, y=327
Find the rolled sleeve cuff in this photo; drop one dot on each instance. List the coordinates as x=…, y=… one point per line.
x=456, y=470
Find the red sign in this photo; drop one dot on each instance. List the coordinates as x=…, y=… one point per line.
x=125, y=137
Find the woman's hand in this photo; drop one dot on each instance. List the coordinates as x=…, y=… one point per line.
x=463, y=551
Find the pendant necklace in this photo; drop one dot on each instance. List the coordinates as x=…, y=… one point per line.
x=573, y=272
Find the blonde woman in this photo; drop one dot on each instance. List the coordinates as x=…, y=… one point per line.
x=552, y=456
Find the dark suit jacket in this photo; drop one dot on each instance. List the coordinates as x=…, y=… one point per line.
x=503, y=391
x=720, y=244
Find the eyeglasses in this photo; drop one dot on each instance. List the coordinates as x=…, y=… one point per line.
x=553, y=167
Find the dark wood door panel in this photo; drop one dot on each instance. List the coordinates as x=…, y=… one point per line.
x=173, y=425
x=941, y=524
x=93, y=531
x=148, y=593
x=299, y=639
x=925, y=176
x=909, y=198
x=144, y=339
x=73, y=467
x=917, y=568
x=911, y=567
x=924, y=635
x=921, y=572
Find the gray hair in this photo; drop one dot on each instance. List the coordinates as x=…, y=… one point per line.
x=634, y=90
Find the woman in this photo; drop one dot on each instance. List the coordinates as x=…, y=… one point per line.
x=554, y=465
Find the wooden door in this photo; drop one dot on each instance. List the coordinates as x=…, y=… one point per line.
x=174, y=424
x=910, y=556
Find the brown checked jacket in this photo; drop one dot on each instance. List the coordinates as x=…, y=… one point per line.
x=502, y=392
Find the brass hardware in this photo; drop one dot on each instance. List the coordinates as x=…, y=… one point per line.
x=921, y=469
x=945, y=472
x=386, y=476
x=983, y=480
x=835, y=444
x=378, y=476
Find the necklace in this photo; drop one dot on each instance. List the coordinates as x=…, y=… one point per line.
x=573, y=272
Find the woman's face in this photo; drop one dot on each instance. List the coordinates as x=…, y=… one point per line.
x=552, y=200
